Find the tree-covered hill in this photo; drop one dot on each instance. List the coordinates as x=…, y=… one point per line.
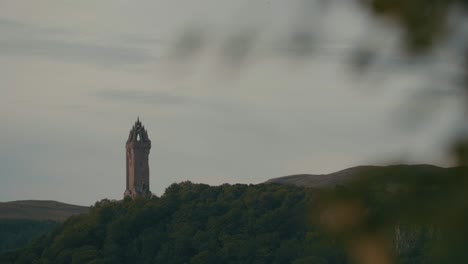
x=395, y=214
x=190, y=223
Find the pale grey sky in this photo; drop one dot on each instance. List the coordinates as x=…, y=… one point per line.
x=230, y=92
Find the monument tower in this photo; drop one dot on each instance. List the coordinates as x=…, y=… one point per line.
x=137, y=150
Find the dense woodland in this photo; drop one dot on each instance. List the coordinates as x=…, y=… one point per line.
x=267, y=223
x=191, y=223
x=17, y=233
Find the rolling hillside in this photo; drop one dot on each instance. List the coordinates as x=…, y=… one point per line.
x=39, y=210
x=353, y=174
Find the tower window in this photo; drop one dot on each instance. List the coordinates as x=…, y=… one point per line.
x=138, y=138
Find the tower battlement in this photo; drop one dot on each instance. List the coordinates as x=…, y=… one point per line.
x=137, y=147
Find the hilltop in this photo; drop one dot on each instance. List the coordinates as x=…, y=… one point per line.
x=39, y=210
x=353, y=174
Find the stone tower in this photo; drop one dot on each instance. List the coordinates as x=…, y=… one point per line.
x=137, y=150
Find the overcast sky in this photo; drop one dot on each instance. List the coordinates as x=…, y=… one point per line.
x=230, y=92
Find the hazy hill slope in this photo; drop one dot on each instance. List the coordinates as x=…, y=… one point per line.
x=355, y=173
x=39, y=210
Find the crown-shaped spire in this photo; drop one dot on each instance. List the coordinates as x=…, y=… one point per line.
x=138, y=133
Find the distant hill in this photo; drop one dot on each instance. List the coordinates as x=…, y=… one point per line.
x=39, y=210
x=350, y=175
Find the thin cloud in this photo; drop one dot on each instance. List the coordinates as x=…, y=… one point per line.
x=21, y=39
x=18, y=28
x=104, y=55
x=144, y=97
x=164, y=98
x=8, y=23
